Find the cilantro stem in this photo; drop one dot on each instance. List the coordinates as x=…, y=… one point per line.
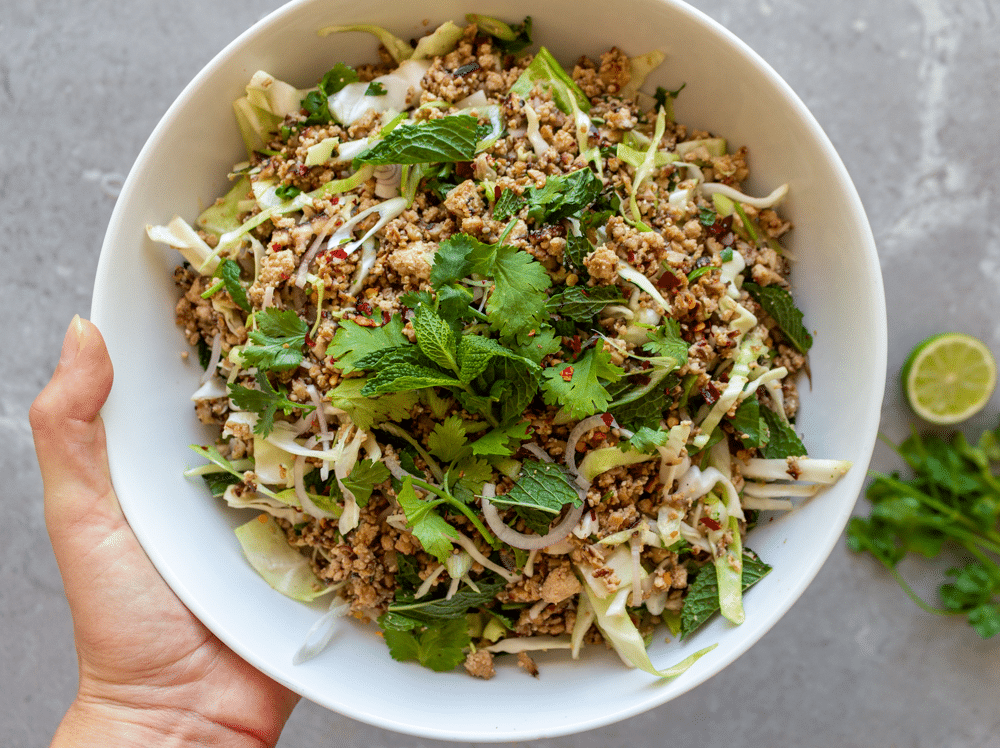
x=988, y=539
x=452, y=501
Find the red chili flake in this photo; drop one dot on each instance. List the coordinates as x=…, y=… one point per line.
x=631, y=256
x=386, y=317
x=575, y=344
x=309, y=341
x=364, y=307
x=567, y=373
x=711, y=393
x=532, y=333
x=710, y=523
x=497, y=192
x=608, y=419
x=464, y=170
x=335, y=200
x=721, y=226
x=274, y=246
x=645, y=365
x=598, y=436
x=668, y=280
x=339, y=254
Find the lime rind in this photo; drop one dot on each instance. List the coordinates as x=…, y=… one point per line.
x=949, y=378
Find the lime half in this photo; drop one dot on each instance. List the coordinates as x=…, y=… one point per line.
x=949, y=377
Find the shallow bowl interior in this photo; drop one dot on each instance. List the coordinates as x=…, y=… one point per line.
x=730, y=91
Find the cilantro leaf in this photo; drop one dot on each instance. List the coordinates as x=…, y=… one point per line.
x=429, y=528
x=265, y=402
x=646, y=440
x=448, y=139
x=502, y=441
x=336, y=78
x=352, y=342
x=782, y=441
x=364, y=476
x=375, y=89
x=317, y=108
x=435, y=338
x=447, y=441
x=580, y=303
x=578, y=387
x=229, y=272
x=471, y=473
x=368, y=411
x=277, y=342
x=666, y=343
x=534, y=345
x=543, y=486
x=778, y=303
x=562, y=196
x=517, y=301
x=440, y=648
x=703, y=594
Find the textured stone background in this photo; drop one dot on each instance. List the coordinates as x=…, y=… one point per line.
x=909, y=92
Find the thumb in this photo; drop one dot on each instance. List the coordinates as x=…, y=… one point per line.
x=70, y=444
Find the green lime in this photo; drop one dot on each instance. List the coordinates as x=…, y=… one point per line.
x=949, y=377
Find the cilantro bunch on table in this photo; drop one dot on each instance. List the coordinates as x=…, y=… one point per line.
x=949, y=504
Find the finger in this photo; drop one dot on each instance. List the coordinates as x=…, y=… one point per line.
x=70, y=442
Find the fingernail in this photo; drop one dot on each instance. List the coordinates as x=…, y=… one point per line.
x=72, y=341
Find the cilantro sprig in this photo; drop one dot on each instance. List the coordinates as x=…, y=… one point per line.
x=277, y=342
x=951, y=502
x=265, y=402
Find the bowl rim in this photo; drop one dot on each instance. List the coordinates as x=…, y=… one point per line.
x=100, y=311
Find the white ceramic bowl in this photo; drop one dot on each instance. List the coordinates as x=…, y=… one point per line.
x=150, y=422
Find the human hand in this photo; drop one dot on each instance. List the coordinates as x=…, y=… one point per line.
x=150, y=672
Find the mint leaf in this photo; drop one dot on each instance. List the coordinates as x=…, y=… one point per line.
x=364, y=476
x=265, y=402
x=550, y=75
x=447, y=441
x=702, y=599
x=580, y=303
x=440, y=648
x=425, y=611
x=778, y=303
x=404, y=354
x=475, y=353
x=562, y=196
x=512, y=383
x=782, y=441
x=644, y=411
x=435, y=338
x=508, y=204
x=544, y=486
x=435, y=535
x=229, y=272
x=336, y=78
x=352, y=341
x=579, y=387
x=277, y=342
x=449, y=139
x=748, y=424
x=399, y=377
x=368, y=411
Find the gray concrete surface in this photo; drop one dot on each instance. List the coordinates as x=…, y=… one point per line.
x=909, y=92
